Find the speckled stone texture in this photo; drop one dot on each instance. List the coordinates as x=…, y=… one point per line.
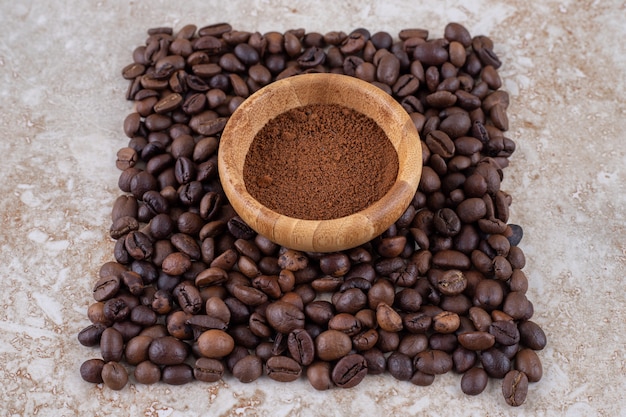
x=61, y=111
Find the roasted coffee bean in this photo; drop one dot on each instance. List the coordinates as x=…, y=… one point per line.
x=167, y=350
x=528, y=362
x=318, y=374
x=208, y=370
x=515, y=388
x=284, y=317
x=477, y=340
x=505, y=332
x=433, y=362
x=349, y=371
x=400, y=366
x=332, y=345
x=215, y=344
x=336, y=264
x=495, y=362
x=387, y=318
x=319, y=311
x=91, y=370
x=283, y=368
x=451, y=282
x=301, y=346
x=248, y=369
x=474, y=381
x=531, y=335
x=90, y=335
x=114, y=375
x=346, y=323
x=177, y=374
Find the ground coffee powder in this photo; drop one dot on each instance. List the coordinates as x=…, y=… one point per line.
x=320, y=162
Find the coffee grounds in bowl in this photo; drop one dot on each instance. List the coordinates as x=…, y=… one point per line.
x=320, y=162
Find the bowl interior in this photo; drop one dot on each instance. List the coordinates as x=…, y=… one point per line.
x=320, y=235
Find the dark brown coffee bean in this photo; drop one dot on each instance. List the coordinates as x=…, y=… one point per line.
x=531, y=335
x=451, y=282
x=346, y=323
x=90, y=335
x=318, y=374
x=248, y=369
x=91, y=370
x=488, y=294
x=114, y=375
x=528, y=362
x=284, y=317
x=350, y=301
x=440, y=143
x=431, y=53
x=336, y=264
x=433, y=362
x=446, y=322
x=400, y=366
x=106, y=288
x=505, y=332
x=477, y=340
x=474, y=381
x=495, y=362
x=179, y=374
x=283, y=369
x=208, y=370
x=319, y=311
x=301, y=346
x=332, y=345
x=167, y=351
x=515, y=388
x=349, y=371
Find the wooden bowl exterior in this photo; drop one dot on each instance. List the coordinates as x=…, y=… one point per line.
x=320, y=235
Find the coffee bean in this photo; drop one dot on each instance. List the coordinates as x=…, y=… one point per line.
x=215, y=344
x=248, y=369
x=114, y=375
x=528, y=362
x=495, y=362
x=283, y=368
x=208, y=370
x=387, y=318
x=433, y=362
x=90, y=335
x=91, y=370
x=349, y=371
x=474, y=381
x=167, y=351
x=531, y=335
x=505, y=332
x=177, y=374
x=515, y=388
x=332, y=345
x=318, y=374
x=400, y=366
x=301, y=346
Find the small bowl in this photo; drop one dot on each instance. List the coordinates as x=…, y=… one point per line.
x=320, y=235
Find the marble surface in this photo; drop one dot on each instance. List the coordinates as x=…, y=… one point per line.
x=61, y=111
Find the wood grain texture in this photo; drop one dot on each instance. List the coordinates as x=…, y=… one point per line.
x=320, y=235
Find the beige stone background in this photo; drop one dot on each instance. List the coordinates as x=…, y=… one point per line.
x=61, y=111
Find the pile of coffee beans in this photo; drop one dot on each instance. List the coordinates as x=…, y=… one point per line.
x=194, y=292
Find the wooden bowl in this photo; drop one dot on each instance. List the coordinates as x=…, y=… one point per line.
x=320, y=235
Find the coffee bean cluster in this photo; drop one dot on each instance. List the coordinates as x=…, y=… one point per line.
x=194, y=292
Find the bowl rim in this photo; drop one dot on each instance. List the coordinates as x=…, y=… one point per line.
x=319, y=235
